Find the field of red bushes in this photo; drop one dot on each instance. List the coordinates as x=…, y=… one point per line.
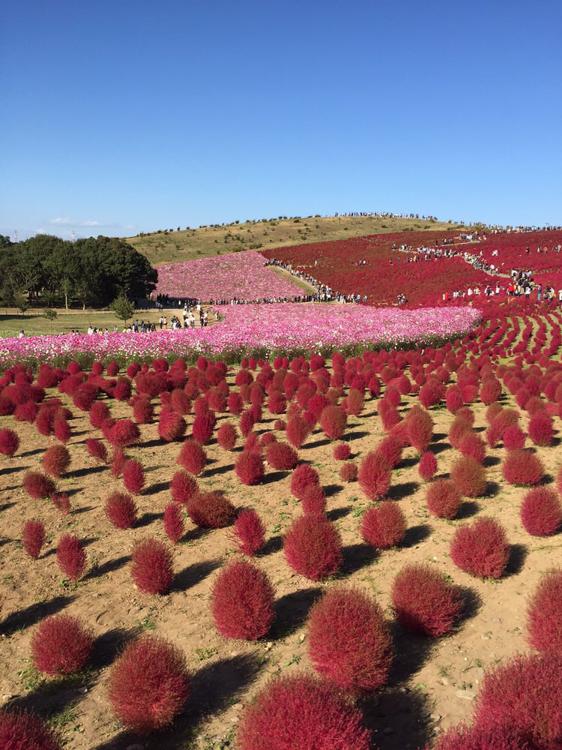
x=329, y=554
x=388, y=273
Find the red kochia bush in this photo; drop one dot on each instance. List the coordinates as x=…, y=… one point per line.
x=541, y=512
x=9, y=442
x=297, y=430
x=342, y=451
x=333, y=421
x=298, y=711
x=133, y=476
x=427, y=466
x=33, y=537
x=173, y=522
x=20, y=730
x=148, y=684
x=38, y=485
x=183, y=487
x=210, y=510
x=56, y=460
x=349, y=643
x=513, y=438
x=60, y=645
x=203, y=426
x=419, y=428
x=71, y=557
x=443, y=498
x=171, y=426
x=374, y=476
x=242, y=602
x=313, y=500
x=540, y=429
x=524, y=694
x=250, y=532
x=545, y=614
x=384, y=525
x=124, y=432
x=522, y=467
x=469, y=477
x=152, y=566
x=142, y=410
x=313, y=547
x=423, y=600
x=249, y=467
x=472, y=445
x=192, y=457
x=281, y=456
x=303, y=477
x=118, y=461
x=121, y=510
x=226, y=436
x=474, y=738
x=96, y=449
x=481, y=549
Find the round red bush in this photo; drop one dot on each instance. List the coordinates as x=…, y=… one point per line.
x=522, y=467
x=349, y=472
x=541, y=512
x=250, y=532
x=124, y=432
x=481, y=549
x=297, y=430
x=96, y=449
x=56, y=460
x=545, y=614
x=33, y=538
x=384, y=525
x=71, y=556
x=297, y=711
x=431, y=393
x=424, y=602
x=281, y=457
x=349, y=643
x=469, y=477
x=171, y=426
x=142, y=410
x=173, y=522
x=226, y=436
x=20, y=730
x=152, y=566
x=203, y=427
x=60, y=645
x=391, y=450
x=443, y=499
x=540, y=429
x=419, y=427
x=524, y=694
x=133, y=476
x=210, y=510
x=312, y=547
x=149, y=684
x=342, y=451
x=249, y=467
x=333, y=421
x=473, y=446
x=192, y=457
x=313, y=500
x=458, y=429
x=37, y=485
x=374, y=476
x=303, y=477
x=242, y=602
x=121, y=510
x=118, y=461
x=183, y=487
x=9, y=442
x=427, y=466
x=513, y=438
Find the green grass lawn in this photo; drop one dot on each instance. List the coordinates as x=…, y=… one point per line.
x=205, y=241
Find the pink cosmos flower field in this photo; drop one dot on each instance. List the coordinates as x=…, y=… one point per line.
x=284, y=327
x=242, y=276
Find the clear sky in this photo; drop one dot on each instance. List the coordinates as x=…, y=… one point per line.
x=121, y=116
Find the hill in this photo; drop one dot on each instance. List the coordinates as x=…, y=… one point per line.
x=167, y=246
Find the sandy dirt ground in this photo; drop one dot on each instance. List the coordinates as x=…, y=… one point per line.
x=433, y=682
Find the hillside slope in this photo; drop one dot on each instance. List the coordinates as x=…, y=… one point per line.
x=173, y=246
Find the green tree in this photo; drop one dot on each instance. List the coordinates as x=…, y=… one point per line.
x=123, y=308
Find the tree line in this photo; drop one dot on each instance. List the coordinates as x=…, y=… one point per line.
x=92, y=272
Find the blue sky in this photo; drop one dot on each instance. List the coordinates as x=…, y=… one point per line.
x=122, y=116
